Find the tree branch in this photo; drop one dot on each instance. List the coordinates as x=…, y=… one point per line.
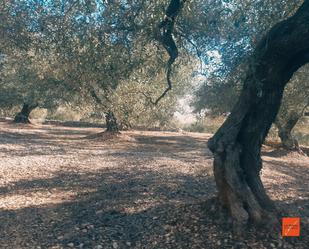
x=164, y=34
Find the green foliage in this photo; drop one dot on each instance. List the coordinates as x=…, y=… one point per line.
x=91, y=57
x=296, y=95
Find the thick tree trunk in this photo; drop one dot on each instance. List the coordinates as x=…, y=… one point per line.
x=285, y=128
x=237, y=144
x=23, y=115
x=111, y=122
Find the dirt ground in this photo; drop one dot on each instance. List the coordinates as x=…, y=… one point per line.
x=60, y=189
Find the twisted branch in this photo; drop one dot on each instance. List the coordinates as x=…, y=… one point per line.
x=164, y=34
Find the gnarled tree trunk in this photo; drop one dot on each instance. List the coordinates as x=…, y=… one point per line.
x=110, y=119
x=23, y=115
x=285, y=127
x=237, y=144
x=111, y=122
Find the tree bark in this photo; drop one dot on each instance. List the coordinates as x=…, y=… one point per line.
x=164, y=34
x=285, y=128
x=23, y=115
x=237, y=144
x=111, y=122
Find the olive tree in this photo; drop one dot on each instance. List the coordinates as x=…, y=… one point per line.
x=236, y=146
x=294, y=104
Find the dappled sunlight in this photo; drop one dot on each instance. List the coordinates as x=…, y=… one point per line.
x=168, y=124
x=141, y=205
x=286, y=178
x=39, y=198
x=160, y=182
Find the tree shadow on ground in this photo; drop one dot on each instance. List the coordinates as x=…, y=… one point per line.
x=296, y=177
x=278, y=151
x=35, y=144
x=130, y=205
x=77, y=124
x=123, y=206
x=179, y=147
x=126, y=209
x=40, y=141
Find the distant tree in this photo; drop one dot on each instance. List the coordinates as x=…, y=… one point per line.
x=294, y=104
x=112, y=52
x=28, y=81
x=217, y=95
x=23, y=115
